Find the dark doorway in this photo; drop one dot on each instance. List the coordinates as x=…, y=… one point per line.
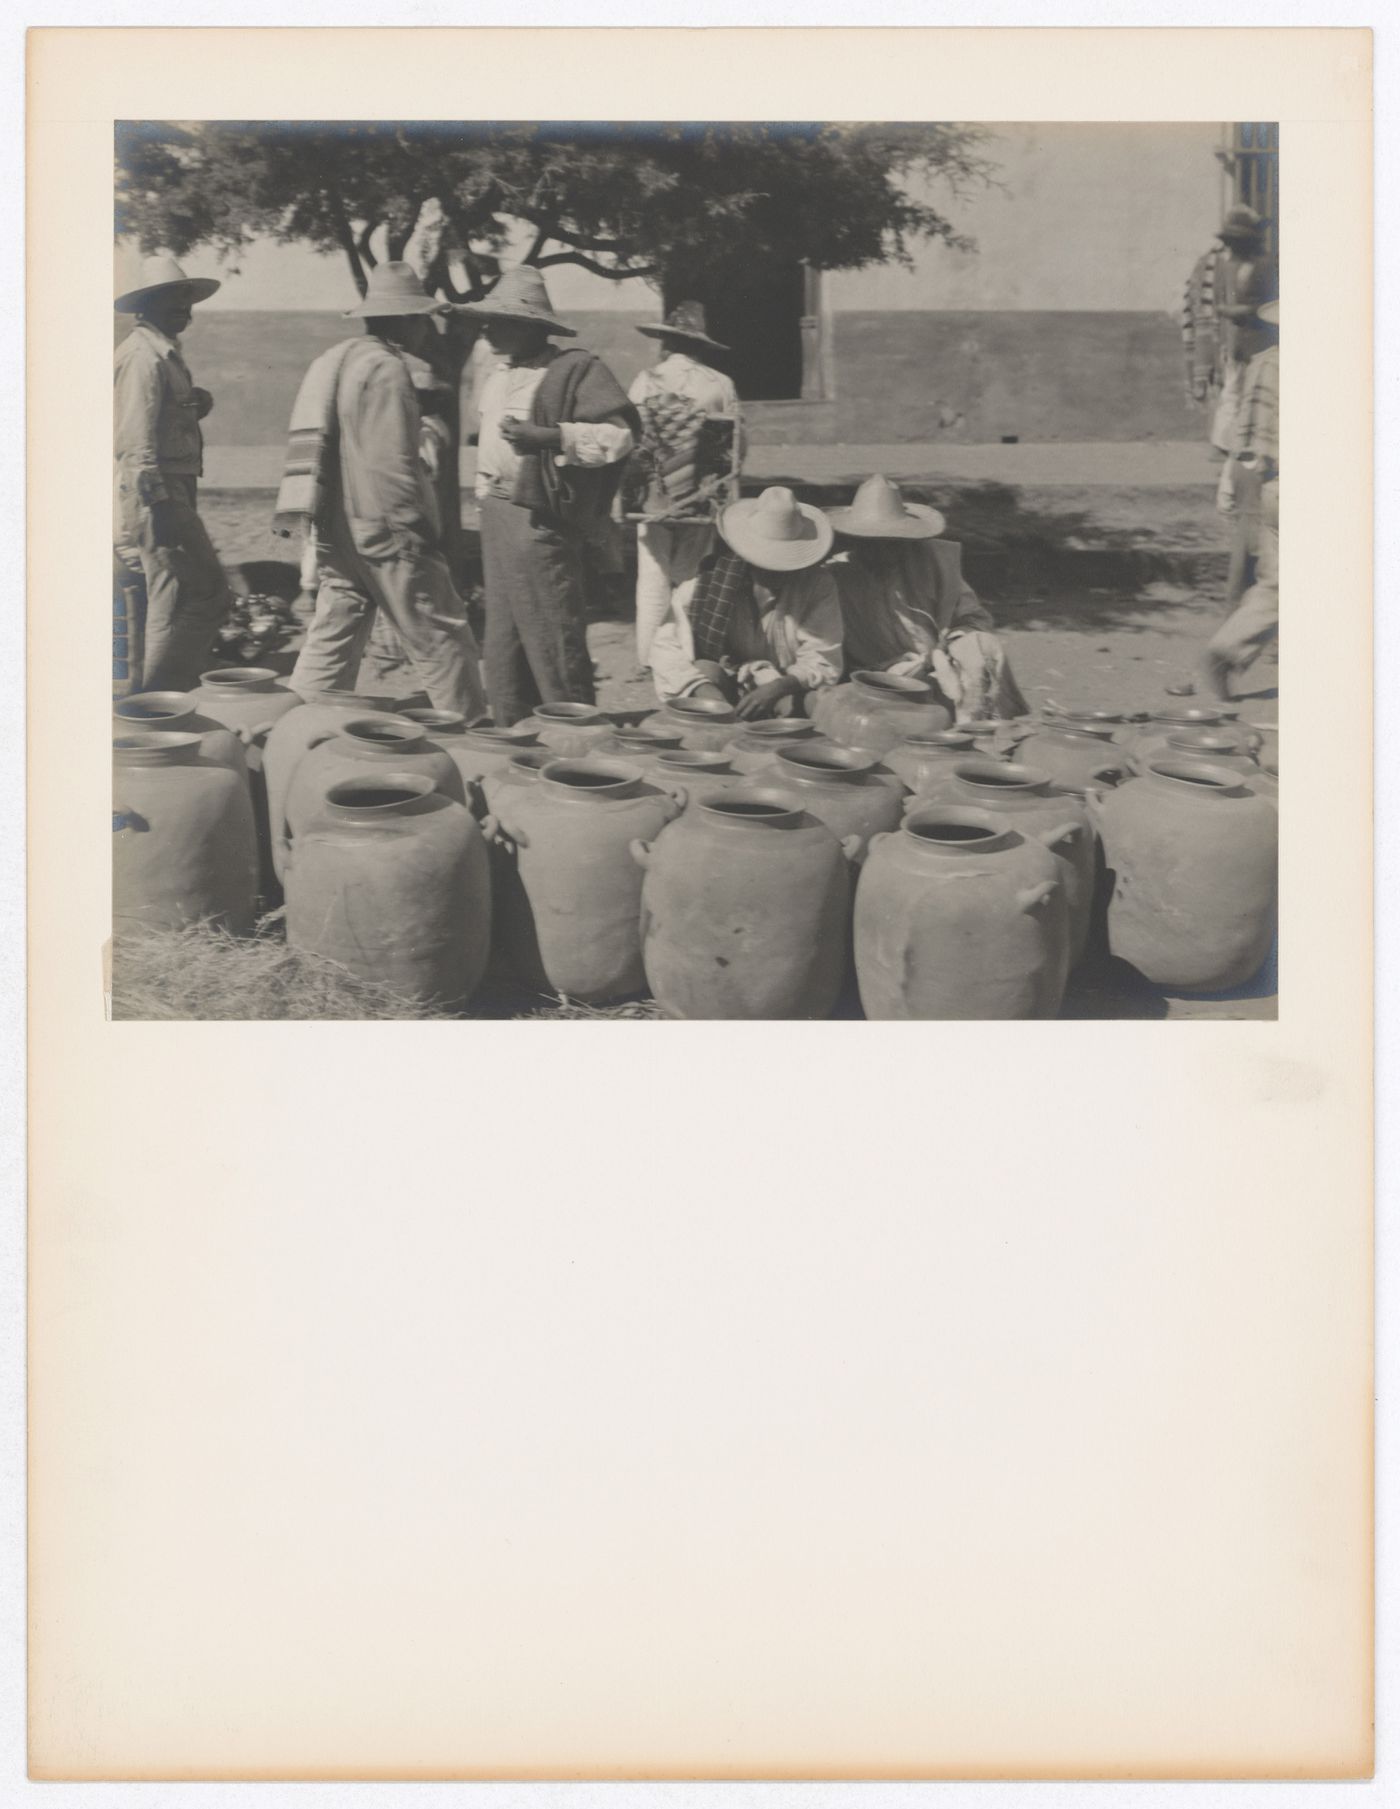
x=757, y=311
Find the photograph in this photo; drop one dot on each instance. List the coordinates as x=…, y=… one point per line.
x=695, y=570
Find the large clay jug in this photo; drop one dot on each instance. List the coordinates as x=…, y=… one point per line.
x=925, y=763
x=389, y=878
x=184, y=850
x=475, y=752
x=175, y=713
x=699, y=775
x=745, y=912
x=249, y=700
x=1223, y=746
x=1031, y=802
x=878, y=710
x=314, y=719
x=851, y=793
x=364, y=745
x=571, y=832
x=1073, y=755
x=570, y=729
x=1151, y=732
x=1192, y=852
x=958, y=915
x=703, y=723
x=758, y=744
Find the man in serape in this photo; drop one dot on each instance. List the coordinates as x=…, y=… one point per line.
x=159, y=459
x=354, y=469
x=1243, y=276
x=555, y=426
x=764, y=625
x=1240, y=639
x=907, y=609
x=669, y=552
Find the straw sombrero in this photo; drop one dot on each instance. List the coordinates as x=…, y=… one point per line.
x=519, y=294
x=685, y=321
x=878, y=511
x=159, y=273
x=394, y=291
x=776, y=532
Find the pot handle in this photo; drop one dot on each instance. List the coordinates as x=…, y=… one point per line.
x=1030, y=898
x=678, y=795
x=490, y=827
x=248, y=736
x=1062, y=832
x=1093, y=800
x=850, y=845
x=640, y=851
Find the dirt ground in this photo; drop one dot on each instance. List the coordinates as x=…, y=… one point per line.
x=1075, y=647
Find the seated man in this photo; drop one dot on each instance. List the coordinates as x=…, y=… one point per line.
x=906, y=608
x=764, y=624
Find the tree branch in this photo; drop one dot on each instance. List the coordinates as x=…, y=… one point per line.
x=553, y=229
x=362, y=245
x=346, y=240
x=542, y=238
x=614, y=272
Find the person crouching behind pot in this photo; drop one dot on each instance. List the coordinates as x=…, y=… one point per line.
x=764, y=624
x=906, y=608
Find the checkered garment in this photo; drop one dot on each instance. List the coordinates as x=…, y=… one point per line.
x=724, y=585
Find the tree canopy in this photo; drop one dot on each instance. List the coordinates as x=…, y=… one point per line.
x=672, y=203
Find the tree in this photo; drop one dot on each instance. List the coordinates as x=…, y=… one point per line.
x=690, y=208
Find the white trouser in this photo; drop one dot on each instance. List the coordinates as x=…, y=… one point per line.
x=668, y=563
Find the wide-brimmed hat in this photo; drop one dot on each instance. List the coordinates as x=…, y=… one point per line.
x=519, y=294
x=393, y=292
x=1268, y=313
x=159, y=273
x=878, y=511
x=776, y=532
x=685, y=321
x=1240, y=223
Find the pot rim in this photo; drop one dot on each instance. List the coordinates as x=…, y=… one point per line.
x=708, y=708
x=394, y=785
x=995, y=837
x=620, y=775
x=1007, y=776
x=571, y=712
x=752, y=810
x=1198, y=778
x=244, y=678
x=814, y=764
x=385, y=733
x=894, y=684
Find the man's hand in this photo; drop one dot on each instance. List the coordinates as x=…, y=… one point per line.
x=165, y=530
x=203, y=402
x=764, y=700
x=526, y=437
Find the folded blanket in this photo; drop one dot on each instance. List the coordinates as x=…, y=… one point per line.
x=311, y=443
x=724, y=585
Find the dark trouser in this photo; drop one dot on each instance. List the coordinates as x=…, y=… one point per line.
x=536, y=646
x=187, y=593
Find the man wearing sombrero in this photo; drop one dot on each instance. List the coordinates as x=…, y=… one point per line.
x=683, y=377
x=355, y=474
x=906, y=608
x=159, y=459
x=555, y=426
x=764, y=625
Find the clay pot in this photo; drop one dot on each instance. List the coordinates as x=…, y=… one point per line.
x=639, y=742
x=184, y=850
x=570, y=832
x=389, y=878
x=1220, y=747
x=851, y=793
x=699, y=775
x=703, y=723
x=925, y=763
x=475, y=752
x=363, y=745
x=745, y=912
x=249, y=700
x=758, y=744
x=570, y=730
x=958, y=915
x=1075, y=756
x=312, y=720
x=1265, y=735
x=878, y=710
x=1152, y=731
x=1032, y=803
x=150, y=712
x=1192, y=850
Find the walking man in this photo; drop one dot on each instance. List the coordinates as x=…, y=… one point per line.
x=159, y=459
x=685, y=378
x=355, y=470
x=1240, y=639
x=555, y=425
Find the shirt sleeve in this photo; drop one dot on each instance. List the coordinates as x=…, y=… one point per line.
x=392, y=478
x=970, y=611
x=594, y=442
x=815, y=629
x=140, y=388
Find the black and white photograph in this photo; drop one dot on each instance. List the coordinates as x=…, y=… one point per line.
x=696, y=570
